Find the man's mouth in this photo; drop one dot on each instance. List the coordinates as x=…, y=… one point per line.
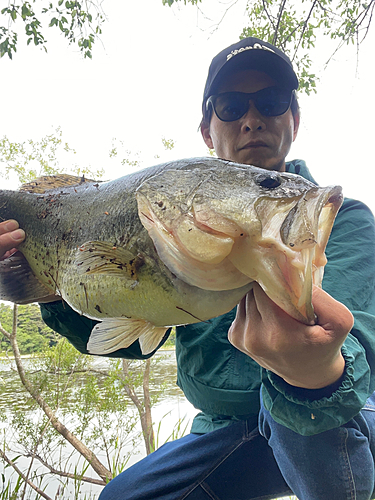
x=254, y=145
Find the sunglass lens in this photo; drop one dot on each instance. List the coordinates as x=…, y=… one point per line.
x=273, y=102
x=231, y=106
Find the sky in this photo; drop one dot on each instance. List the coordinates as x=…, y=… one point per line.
x=146, y=81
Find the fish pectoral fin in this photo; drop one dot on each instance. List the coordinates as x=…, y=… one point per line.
x=101, y=257
x=119, y=333
x=150, y=340
x=18, y=283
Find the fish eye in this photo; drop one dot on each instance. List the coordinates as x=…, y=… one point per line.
x=268, y=181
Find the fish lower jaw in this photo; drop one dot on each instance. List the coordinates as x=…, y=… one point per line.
x=285, y=275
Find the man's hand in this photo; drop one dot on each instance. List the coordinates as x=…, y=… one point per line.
x=304, y=356
x=10, y=237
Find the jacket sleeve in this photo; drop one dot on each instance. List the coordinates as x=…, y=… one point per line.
x=77, y=329
x=349, y=278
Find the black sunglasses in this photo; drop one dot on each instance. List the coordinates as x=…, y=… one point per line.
x=231, y=106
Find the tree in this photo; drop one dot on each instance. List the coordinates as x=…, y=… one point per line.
x=92, y=416
x=79, y=22
x=61, y=396
x=31, y=159
x=294, y=26
x=34, y=336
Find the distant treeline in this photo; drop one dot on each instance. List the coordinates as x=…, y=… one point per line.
x=33, y=334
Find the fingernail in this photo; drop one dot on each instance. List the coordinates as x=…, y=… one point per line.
x=18, y=234
x=11, y=225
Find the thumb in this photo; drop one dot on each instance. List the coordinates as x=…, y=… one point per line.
x=332, y=314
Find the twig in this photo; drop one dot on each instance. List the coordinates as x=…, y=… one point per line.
x=33, y=456
x=223, y=16
x=143, y=408
x=271, y=20
x=88, y=454
x=304, y=28
x=67, y=474
x=363, y=14
x=129, y=389
x=30, y=483
x=4, y=332
x=282, y=5
x=368, y=25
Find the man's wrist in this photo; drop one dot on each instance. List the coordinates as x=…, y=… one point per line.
x=320, y=378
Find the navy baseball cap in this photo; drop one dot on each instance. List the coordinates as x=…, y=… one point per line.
x=250, y=53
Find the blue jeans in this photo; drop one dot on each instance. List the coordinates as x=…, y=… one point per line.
x=266, y=462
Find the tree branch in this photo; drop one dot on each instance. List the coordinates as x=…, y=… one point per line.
x=268, y=15
x=30, y=483
x=89, y=455
x=67, y=474
x=144, y=408
x=147, y=424
x=279, y=16
x=304, y=28
x=368, y=25
x=129, y=389
x=4, y=332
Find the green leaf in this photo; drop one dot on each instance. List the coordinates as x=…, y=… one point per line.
x=25, y=11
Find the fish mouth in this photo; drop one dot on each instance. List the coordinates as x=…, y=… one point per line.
x=288, y=258
x=278, y=243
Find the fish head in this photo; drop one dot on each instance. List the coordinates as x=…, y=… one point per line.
x=220, y=225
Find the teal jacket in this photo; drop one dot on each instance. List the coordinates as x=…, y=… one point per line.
x=225, y=384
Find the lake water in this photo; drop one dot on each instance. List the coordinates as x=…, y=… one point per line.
x=171, y=408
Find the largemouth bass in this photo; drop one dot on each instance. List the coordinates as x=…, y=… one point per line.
x=173, y=244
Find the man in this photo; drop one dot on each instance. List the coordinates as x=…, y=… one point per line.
x=285, y=408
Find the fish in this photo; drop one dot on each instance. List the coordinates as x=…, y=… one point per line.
x=177, y=243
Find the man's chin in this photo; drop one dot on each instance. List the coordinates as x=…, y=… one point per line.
x=267, y=164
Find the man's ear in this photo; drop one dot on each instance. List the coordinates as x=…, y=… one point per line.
x=296, y=119
x=205, y=131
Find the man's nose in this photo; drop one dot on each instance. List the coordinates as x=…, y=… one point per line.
x=253, y=120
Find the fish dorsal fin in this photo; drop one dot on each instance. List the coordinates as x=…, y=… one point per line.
x=118, y=333
x=101, y=257
x=48, y=182
x=18, y=283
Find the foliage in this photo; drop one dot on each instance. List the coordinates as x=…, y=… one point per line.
x=88, y=401
x=31, y=159
x=133, y=159
x=34, y=336
x=171, y=342
x=171, y=2
x=66, y=410
x=92, y=397
x=79, y=22
x=294, y=26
